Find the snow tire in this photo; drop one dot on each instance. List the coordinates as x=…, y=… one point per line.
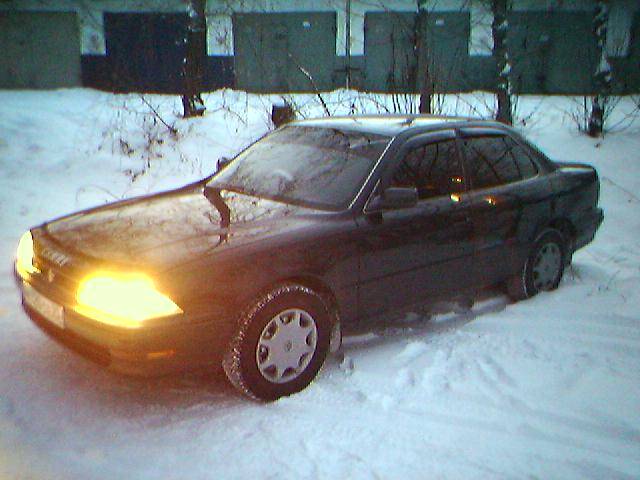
x=523, y=285
x=240, y=361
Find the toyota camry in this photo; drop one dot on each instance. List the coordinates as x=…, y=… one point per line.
x=312, y=230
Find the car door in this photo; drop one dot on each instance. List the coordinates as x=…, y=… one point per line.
x=413, y=254
x=507, y=198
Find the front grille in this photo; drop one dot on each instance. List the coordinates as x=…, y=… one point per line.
x=59, y=282
x=59, y=278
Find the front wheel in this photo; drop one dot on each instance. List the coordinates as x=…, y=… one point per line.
x=281, y=343
x=543, y=268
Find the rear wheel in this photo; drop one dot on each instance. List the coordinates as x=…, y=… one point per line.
x=281, y=343
x=543, y=269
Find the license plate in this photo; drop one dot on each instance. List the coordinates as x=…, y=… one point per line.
x=41, y=304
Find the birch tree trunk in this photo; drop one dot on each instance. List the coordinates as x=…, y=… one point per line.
x=499, y=29
x=425, y=82
x=602, y=76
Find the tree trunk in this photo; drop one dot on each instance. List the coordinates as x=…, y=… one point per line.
x=602, y=76
x=425, y=82
x=193, y=71
x=499, y=29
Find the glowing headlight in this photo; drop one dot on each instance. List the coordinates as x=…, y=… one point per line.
x=24, y=256
x=125, y=300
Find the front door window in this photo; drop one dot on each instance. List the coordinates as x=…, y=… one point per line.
x=433, y=169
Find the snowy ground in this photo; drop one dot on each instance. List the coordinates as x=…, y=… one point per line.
x=548, y=388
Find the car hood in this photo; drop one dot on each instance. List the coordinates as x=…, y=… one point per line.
x=164, y=230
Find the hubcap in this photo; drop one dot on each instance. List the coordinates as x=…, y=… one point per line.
x=286, y=345
x=546, y=266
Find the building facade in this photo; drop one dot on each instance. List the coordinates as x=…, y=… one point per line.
x=289, y=45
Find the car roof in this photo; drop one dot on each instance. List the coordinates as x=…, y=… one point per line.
x=393, y=125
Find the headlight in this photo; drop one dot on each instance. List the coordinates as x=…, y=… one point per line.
x=124, y=300
x=24, y=256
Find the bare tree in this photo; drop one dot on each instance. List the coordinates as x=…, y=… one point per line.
x=425, y=82
x=602, y=77
x=499, y=30
x=193, y=70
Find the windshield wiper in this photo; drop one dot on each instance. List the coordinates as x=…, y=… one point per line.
x=213, y=195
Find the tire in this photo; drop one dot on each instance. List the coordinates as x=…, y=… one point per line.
x=280, y=344
x=543, y=268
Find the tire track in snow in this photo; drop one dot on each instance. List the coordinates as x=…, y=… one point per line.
x=550, y=426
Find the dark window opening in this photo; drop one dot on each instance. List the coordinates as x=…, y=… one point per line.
x=497, y=160
x=433, y=169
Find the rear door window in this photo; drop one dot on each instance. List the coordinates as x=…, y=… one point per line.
x=496, y=160
x=523, y=159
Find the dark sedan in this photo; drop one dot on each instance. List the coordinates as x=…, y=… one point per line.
x=313, y=229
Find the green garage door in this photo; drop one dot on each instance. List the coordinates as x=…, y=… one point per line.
x=552, y=52
x=447, y=49
x=632, y=79
x=391, y=60
x=273, y=50
x=39, y=50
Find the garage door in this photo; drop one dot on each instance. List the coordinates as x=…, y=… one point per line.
x=39, y=50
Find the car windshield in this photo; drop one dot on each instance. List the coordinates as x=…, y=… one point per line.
x=310, y=166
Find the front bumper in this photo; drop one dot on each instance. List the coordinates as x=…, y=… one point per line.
x=182, y=343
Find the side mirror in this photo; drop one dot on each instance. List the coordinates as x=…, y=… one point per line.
x=222, y=162
x=394, y=198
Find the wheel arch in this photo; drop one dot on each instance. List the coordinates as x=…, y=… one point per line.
x=560, y=224
x=569, y=232
x=318, y=285
x=565, y=227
